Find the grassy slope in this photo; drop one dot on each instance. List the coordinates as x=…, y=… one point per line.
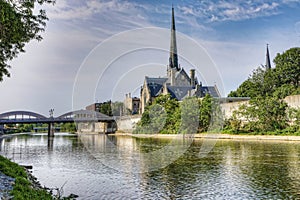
x=22, y=188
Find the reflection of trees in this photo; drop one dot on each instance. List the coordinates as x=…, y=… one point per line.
x=294, y=166
x=241, y=169
x=148, y=144
x=267, y=168
x=184, y=177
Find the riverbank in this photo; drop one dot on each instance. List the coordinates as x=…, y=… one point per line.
x=18, y=183
x=13, y=134
x=219, y=136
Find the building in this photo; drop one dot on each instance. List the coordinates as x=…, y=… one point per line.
x=131, y=105
x=177, y=82
x=94, y=107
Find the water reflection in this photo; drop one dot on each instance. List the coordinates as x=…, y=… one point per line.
x=100, y=166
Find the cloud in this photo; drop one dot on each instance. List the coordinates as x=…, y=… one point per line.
x=66, y=10
x=233, y=10
x=98, y=20
x=76, y=27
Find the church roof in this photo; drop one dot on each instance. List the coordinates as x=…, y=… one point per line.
x=179, y=92
x=211, y=90
x=155, y=85
x=182, y=71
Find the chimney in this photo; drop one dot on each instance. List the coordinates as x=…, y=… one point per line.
x=192, y=75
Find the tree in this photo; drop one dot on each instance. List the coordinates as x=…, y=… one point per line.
x=105, y=108
x=264, y=114
x=281, y=81
x=117, y=108
x=161, y=116
x=18, y=25
x=260, y=83
x=288, y=67
x=189, y=115
x=68, y=127
x=205, y=113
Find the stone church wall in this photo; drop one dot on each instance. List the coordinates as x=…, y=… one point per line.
x=293, y=101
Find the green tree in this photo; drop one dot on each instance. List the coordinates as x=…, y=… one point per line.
x=18, y=25
x=161, y=116
x=171, y=107
x=68, y=127
x=106, y=108
x=205, y=113
x=264, y=114
x=284, y=90
x=117, y=108
x=281, y=81
x=288, y=67
x=260, y=83
x=189, y=115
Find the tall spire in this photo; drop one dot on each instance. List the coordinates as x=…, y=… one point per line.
x=173, y=60
x=268, y=62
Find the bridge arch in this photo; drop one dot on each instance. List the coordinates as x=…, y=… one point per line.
x=21, y=115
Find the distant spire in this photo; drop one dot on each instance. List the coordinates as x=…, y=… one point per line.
x=173, y=60
x=268, y=62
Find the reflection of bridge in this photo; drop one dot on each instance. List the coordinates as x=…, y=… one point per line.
x=80, y=116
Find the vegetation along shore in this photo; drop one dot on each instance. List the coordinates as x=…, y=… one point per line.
x=265, y=113
x=18, y=183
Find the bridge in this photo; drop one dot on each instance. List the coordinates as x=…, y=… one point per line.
x=79, y=116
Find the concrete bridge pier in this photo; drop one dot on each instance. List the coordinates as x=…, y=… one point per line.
x=51, y=130
x=50, y=143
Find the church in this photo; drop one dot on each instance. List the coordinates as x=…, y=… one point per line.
x=178, y=83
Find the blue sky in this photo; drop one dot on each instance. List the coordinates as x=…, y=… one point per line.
x=233, y=33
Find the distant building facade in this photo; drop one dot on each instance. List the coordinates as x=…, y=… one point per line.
x=131, y=105
x=177, y=83
x=94, y=107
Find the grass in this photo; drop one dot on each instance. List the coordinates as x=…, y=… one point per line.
x=22, y=189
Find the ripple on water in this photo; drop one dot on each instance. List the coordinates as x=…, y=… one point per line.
x=232, y=170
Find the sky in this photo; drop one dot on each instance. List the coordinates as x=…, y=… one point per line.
x=97, y=50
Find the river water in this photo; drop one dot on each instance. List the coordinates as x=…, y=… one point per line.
x=119, y=167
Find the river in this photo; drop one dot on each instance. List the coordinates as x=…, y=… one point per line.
x=120, y=167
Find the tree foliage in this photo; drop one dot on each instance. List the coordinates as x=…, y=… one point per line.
x=68, y=127
x=117, y=108
x=266, y=110
x=105, y=108
x=168, y=116
x=288, y=67
x=263, y=114
x=162, y=116
x=189, y=119
x=281, y=81
x=205, y=114
x=18, y=25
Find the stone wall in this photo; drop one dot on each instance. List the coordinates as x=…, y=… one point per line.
x=92, y=127
x=229, y=107
x=293, y=101
x=127, y=123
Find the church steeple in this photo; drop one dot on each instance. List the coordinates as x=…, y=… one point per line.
x=268, y=62
x=173, y=60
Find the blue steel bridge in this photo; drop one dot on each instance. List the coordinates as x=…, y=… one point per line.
x=79, y=116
